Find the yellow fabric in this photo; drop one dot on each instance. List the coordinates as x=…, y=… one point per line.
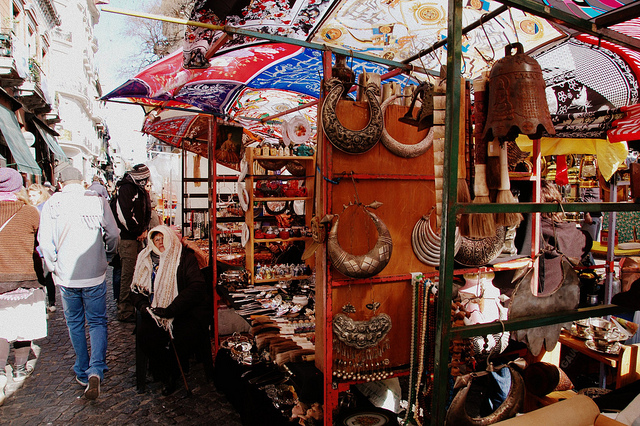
x=610, y=155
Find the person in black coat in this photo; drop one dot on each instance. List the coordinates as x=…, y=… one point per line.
x=131, y=207
x=169, y=292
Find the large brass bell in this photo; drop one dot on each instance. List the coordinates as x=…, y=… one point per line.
x=425, y=115
x=517, y=101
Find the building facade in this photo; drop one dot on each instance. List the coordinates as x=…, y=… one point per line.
x=76, y=85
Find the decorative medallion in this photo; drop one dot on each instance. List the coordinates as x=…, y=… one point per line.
x=361, y=334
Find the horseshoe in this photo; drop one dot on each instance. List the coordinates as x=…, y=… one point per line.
x=457, y=414
x=363, y=266
x=400, y=149
x=347, y=140
x=480, y=251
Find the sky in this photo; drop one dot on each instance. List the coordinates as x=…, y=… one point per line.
x=115, y=49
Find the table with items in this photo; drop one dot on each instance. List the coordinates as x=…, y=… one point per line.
x=268, y=373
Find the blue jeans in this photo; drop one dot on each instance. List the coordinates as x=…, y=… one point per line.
x=88, y=303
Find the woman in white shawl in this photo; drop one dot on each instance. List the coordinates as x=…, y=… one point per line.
x=169, y=291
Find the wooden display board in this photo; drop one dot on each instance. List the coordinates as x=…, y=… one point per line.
x=406, y=188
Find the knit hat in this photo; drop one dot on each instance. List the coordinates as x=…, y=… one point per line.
x=140, y=172
x=10, y=180
x=69, y=173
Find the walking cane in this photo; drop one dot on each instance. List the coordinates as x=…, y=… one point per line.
x=184, y=379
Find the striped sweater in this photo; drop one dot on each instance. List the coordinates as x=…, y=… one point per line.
x=17, y=245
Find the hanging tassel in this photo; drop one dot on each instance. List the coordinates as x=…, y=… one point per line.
x=480, y=225
x=504, y=194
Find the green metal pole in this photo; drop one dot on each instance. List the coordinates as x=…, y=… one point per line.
x=449, y=203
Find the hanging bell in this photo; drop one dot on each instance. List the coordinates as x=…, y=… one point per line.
x=343, y=73
x=517, y=101
x=425, y=115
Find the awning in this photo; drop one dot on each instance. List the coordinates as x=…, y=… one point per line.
x=54, y=146
x=17, y=145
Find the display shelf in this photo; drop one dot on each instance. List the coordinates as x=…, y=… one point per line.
x=282, y=278
x=251, y=218
x=276, y=240
x=278, y=177
x=284, y=157
x=270, y=199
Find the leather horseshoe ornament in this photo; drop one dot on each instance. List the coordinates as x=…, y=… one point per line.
x=400, y=149
x=347, y=140
x=457, y=414
x=480, y=251
x=366, y=265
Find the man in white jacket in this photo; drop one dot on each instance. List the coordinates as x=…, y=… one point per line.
x=77, y=234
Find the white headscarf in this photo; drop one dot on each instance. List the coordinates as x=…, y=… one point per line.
x=166, y=282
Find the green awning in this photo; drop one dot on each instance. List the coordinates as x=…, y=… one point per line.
x=17, y=145
x=54, y=146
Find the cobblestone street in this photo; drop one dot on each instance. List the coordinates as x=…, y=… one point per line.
x=52, y=396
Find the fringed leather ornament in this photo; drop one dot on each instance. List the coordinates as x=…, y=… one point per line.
x=363, y=266
x=400, y=149
x=347, y=140
x=523, y=303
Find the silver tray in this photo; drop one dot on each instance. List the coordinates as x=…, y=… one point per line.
x=614, y=349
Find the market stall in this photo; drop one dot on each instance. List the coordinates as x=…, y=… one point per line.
x=376, y=245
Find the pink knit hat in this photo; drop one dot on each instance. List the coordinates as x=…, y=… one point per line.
x=10, y=180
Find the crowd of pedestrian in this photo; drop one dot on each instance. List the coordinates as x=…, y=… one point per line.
x=65, y=237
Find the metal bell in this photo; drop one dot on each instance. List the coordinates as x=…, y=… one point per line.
x=517, y=102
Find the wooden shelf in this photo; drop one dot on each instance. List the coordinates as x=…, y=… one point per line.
x=288, y=157
x=250, y=214
x=284, y=278
x=267, y=199
x=276, y=240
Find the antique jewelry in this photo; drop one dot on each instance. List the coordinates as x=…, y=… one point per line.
x=362, y=266
x=347, y=140
x=400, y=149
x=361, y=334
x=480, y=251
x=426, y=242
x=359, y=348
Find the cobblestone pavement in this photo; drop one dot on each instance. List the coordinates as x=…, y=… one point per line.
x=52, y=397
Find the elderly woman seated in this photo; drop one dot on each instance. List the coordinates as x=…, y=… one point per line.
x=169, y=291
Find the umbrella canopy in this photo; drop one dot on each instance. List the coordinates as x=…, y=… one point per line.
x=239, y=81
x=248, y=79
